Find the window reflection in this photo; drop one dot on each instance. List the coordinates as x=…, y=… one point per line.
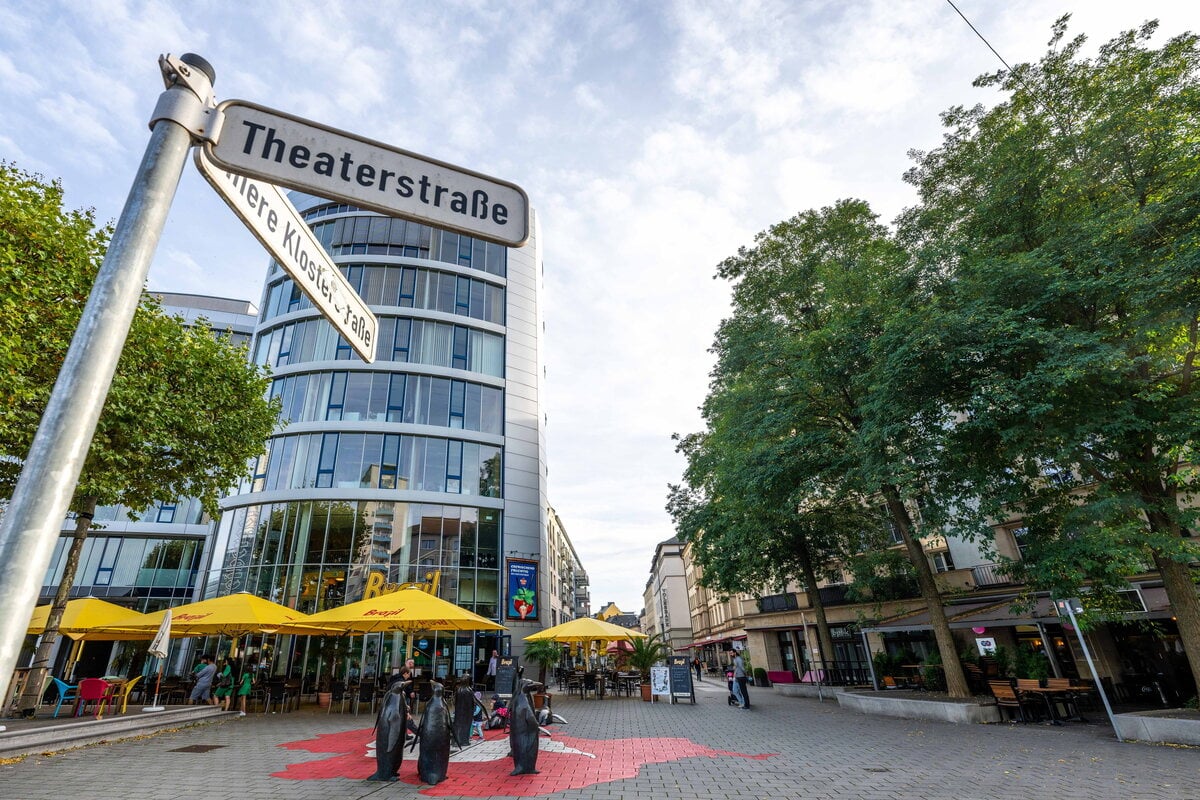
x=312, y=555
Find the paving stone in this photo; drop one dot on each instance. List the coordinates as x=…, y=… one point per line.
x=799, y=748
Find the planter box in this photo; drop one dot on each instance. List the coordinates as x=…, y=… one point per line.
x=972, y=711
x=807, y=690
x=781, y=676
x=1168, y=726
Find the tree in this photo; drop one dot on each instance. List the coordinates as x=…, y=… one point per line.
x=186, y=411
x=545, y=653
x=810, y=300
x=1058, y=239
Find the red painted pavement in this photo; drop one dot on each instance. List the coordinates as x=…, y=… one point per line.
x=613, y=760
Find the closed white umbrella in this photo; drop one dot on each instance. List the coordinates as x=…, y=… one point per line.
x=158, y=649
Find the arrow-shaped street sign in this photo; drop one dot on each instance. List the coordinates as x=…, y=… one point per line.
x=277, y=224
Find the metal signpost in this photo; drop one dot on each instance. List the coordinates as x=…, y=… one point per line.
x=301, y=154
x=249, y=143
x=1069, y=608
x=39, y=503
x=276, y=223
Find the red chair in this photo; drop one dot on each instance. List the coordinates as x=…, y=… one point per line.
x=93, y=690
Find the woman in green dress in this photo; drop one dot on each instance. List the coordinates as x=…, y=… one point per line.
x=224, y=684
x=246, y=683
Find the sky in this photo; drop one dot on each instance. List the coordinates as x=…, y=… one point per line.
x=653, y=138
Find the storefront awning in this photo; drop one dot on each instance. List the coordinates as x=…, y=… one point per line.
x=970, y=615
x=999, y=614
x=706, y=642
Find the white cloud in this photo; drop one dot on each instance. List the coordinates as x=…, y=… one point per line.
x=654, y=140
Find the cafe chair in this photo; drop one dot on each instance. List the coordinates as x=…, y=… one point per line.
x=66, y=691
x=1066, y=695
x=95, y=691
x=275, y=693
x=365, y=694
x=125, y=692
x=1007, y=697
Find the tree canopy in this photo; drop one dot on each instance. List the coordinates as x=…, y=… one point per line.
x=1021, y=348
x=1058, y=233
x=186, y=411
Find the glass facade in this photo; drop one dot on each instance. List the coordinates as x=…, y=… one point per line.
x=140, y=570
x=385, y=473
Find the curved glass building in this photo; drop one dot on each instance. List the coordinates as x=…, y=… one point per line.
x=428, y=464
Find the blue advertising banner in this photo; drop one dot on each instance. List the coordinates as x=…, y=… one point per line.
x=522, y=589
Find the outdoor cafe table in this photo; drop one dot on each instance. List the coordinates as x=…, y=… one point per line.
x=627, y=682
x=1050, y=698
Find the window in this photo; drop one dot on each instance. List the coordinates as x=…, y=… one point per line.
x=1020, y=538
x=166, y=512
x=942, y=561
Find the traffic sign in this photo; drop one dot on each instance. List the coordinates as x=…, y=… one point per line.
x=276, y=223
x=301, y=154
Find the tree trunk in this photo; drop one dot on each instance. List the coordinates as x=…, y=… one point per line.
x=1181, y=592
x=824, y=637
x=31, y=697
x=956, y=681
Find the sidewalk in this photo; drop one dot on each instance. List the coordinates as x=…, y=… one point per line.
x=48, y=733
x=625, y=748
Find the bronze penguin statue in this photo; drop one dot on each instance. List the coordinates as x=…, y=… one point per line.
x=523, y=731
x=436, y=733
x=464, y=712
x=389, y=733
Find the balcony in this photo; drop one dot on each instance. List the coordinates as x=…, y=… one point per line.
x=989, y=575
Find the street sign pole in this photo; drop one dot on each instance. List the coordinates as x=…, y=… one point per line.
x=1069, y=607
x=35, y=513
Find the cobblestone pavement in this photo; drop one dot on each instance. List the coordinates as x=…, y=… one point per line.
x=820, y=752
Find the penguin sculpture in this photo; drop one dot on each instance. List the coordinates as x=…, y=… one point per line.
x=523, y=731
x=464, y=712
x=436, y=733
x=389, y=734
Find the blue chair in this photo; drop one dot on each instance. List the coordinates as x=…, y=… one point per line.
x=65, y=692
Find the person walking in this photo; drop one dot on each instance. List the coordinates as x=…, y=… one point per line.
x=696, y=664
x=223, y=685
x=739, y=677
x=201, y=692
x=246, y=684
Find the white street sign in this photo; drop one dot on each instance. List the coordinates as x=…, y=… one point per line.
x=276, y=223
x=305, y=155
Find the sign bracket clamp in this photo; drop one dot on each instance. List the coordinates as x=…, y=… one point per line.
x=195, y=110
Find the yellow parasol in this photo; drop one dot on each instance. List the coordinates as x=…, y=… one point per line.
x=586, y=629
x=233, y=615
x=407, y=610
x=92, y=619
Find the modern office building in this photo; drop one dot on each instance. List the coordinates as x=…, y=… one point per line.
x=427, y=465
x=152, y=559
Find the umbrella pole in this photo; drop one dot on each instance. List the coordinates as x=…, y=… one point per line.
x=162, y=662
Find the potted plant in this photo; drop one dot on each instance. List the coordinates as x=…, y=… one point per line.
x=545, y=653
x=331, y=650
x=644, y=655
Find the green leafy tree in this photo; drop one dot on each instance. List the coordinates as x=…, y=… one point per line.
x=810, y=300
x=1058, y=236
x=186, y=411
x=647, y=652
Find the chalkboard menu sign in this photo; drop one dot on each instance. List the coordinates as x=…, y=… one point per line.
x=506, y=673
x=681, y=677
